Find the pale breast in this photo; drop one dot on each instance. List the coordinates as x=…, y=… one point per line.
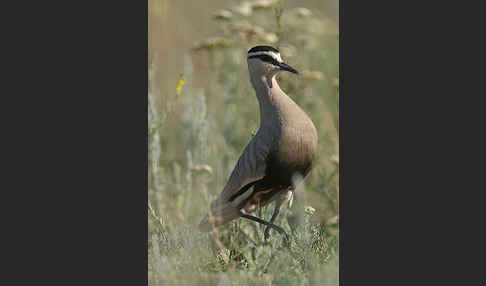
x=298, y=141
x=294, y=150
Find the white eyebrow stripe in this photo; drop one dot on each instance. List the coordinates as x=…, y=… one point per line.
x=274, y=55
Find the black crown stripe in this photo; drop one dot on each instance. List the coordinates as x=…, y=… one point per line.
x=263, y=49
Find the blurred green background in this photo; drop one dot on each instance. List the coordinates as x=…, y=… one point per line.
x=202, y=113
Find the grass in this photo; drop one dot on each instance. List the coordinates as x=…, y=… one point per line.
x=197, y=134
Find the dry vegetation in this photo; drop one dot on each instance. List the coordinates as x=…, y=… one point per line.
x=197, y=134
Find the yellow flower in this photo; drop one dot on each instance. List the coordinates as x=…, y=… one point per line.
x=310, y=210
x=180, y=84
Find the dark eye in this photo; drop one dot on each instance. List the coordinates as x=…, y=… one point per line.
x=265, y=58
x=268, y=59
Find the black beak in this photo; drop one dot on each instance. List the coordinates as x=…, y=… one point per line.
x=286, y=67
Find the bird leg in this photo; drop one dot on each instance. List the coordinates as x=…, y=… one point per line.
x=279, y=204
x=274, y=216
x=268, y=224
x=280, y=201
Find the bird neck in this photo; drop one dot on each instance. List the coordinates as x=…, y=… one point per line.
x=268, y=92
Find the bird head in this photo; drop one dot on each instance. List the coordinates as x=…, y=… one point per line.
x=266, y=61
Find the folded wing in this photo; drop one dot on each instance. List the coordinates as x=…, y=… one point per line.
x=251, y=167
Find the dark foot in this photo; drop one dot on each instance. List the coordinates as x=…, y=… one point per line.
x=286, y=241
x=267, y=232
x=269, y=225
x=286, y=238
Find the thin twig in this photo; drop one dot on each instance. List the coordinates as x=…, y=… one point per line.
x=157, y=219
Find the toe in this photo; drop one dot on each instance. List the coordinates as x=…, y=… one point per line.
x=267, y=233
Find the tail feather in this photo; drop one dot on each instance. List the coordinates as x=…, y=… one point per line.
x=220, y=216
x=224, y=212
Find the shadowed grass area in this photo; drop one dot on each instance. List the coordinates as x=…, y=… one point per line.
x=197, y=134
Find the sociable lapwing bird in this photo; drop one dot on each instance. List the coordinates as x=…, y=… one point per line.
x=283, y=149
